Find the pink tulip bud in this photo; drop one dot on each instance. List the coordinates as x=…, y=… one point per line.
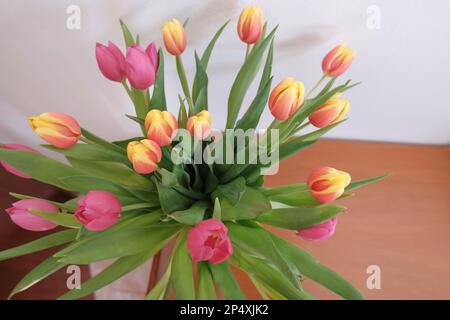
x=111, y=61
x=10, y=168
x=141, y=70
x=338, y=60
x=20, y=214
x=209, y=241
x=58, y=129
x=327, y=184
x=250, y=24
x=98, y=210
x=160, y=126
x=144, y=155
x=199, y=125
x=152, y=52
x=286, y=98
x=332, y=111
x=319, y=232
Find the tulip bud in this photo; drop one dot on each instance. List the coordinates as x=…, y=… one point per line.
x=209, y=241
x=160, y=126
x=332, y=111
x=152, y=52
x=58, y=129
x=327, y=184
x=199, y=125
x=98, y=210
x=286, y=98
x=174, y=37
x=111, y=61
x=144, y=155
x=141, y=68
x=20, y=213
x=11, y=169
x=338, y=60
x=319, y=232
x=250, y=24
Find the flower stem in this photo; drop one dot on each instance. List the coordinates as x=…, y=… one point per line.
x=247, y=51
x=184, y=83
x=316, y=86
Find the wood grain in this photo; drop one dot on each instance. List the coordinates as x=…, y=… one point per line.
x=401, y=224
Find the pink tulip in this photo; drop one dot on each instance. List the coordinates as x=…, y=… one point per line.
x=98, y=210
x=111, y=61
x=319, y=232
x=10, y=168
x=21, y=215
x=141, y=66
x=209, y=241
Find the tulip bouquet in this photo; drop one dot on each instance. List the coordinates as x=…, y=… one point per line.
x=172, y=184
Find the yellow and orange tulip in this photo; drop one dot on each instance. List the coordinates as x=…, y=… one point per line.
x=250, y=24
x=326, y=184
x=338, y=60
x=174, y=37
x=332, y=111
x=144, y=155
x=286, y=98
x=160, y=126
x=199, y=125
x=58, y=129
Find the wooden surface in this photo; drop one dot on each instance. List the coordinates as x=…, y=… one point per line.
x=401, y=224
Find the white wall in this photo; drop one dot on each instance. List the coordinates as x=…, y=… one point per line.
x=404, y=65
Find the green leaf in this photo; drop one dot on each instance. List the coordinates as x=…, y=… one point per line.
x=158, y=100
x=63, y=206
x=361, y=183
x=171, y=200
x=102, y=142
x=160, y=289
x=182, y=278
x=129, y=40
x=244, y=78
x=90, y=152
x=224, y=278
x=115, y=172
x=41, y=271
x=124, y=242
x=207, y=53
x=251, y=204
x=315, y=271
x=136, y=119
x=316, y=134
x=200, y=87
x=268, y=275
x=285, y=189
x=39, y=167
x=251, y=117
x=299, y=218
x=256, y=241
x=61, y=219
x=191, y=216
x=233, y=190
x=292, y=147
x=43, y=243
x=140, y=105
x=217, y=212
x=119, y=268
x=267, y=71
x=123, y=144
x=182, y=114
x=205, y=289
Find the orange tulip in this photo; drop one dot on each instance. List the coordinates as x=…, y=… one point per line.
x=58, y=129
x=338, y=60
x=199, y=125
x=144, y=155
x=286, y=98
x=250, y=24
x=332, y=111
x=160, y=126
x=174, y=37
x=327, y=184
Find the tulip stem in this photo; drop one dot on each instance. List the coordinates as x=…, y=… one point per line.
x=316, y=86
x=127, y=89
x=84, y=140
x=184, y=83
x=247, y=51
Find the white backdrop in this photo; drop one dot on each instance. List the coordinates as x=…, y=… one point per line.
x=404, y=64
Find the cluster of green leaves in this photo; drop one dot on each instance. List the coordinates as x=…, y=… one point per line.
x=165, y=205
